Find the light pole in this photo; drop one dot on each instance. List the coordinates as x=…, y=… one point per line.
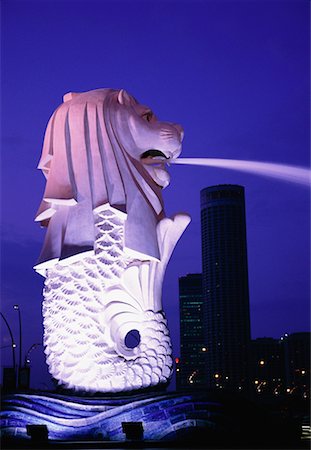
x=17, y=308
x=13, y=345
x=24, y=372
x=27, y=355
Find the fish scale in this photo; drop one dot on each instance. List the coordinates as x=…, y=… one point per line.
x=80, y=346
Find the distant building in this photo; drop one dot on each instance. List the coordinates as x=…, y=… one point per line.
x=215, y=345
x=225, y=286
x=267, y=367
x=281, y=366
x=190, y=367
x=296, y=347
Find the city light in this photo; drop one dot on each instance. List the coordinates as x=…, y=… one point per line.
x=190, y=378
x=261, y=362
x=216, y=375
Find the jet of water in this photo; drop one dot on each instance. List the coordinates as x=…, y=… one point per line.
x=293, y=174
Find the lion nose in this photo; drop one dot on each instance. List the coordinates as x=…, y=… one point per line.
x=180, y=131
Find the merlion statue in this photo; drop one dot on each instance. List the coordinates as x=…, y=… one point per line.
x=107, y=243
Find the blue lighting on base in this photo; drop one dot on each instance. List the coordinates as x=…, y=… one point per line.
x=98, y=418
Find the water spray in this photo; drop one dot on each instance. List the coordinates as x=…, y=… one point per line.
x=293, y=174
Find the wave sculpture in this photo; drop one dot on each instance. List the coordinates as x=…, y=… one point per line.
x=107, y=243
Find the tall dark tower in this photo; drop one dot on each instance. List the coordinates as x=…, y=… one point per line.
x=225, y=286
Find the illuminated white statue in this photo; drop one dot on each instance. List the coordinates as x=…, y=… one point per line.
x=107, y=243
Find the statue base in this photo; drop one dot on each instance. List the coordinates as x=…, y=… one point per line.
x=179, y=419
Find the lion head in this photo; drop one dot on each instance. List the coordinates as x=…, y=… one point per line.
x=101, y=147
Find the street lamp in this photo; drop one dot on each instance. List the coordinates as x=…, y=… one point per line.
x=16, y=307
x=24, y=372
x=27, y=355
x=13, y=345
x=9, y=374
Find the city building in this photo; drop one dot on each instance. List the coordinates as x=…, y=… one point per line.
x=267, y=367
x=225, y=287
x=281, y=366
x=216, y=350
x=190, y=367
x=296, y=348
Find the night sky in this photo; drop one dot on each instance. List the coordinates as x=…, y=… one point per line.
x=234, y=74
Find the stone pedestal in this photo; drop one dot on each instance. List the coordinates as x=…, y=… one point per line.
x=202, y=418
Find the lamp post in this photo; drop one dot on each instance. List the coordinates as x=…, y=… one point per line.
x=27, y=355
x=24, y=372
x=13, y=345
x=9, y=374
x=17, y=308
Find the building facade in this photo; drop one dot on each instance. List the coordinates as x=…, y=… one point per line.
x=190, y=367
x=281, y=366
x=225, y=287
x=296, y=348
x=267, y=367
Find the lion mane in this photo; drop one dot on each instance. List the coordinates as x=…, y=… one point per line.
x=89, y=160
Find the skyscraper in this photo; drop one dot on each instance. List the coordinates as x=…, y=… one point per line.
x=190, y=368
x=225, y=286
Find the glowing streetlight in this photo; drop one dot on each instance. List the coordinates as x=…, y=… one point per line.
x=27, y=355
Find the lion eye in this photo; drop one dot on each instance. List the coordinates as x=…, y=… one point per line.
x=148, y=116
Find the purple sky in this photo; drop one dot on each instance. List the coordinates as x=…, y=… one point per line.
x=234, y=74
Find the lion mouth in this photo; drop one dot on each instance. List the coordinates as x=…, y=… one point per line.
x=153, y=156
x=155, y=162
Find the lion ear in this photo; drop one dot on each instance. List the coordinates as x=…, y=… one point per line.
x=69, y=96
x=123, y=97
